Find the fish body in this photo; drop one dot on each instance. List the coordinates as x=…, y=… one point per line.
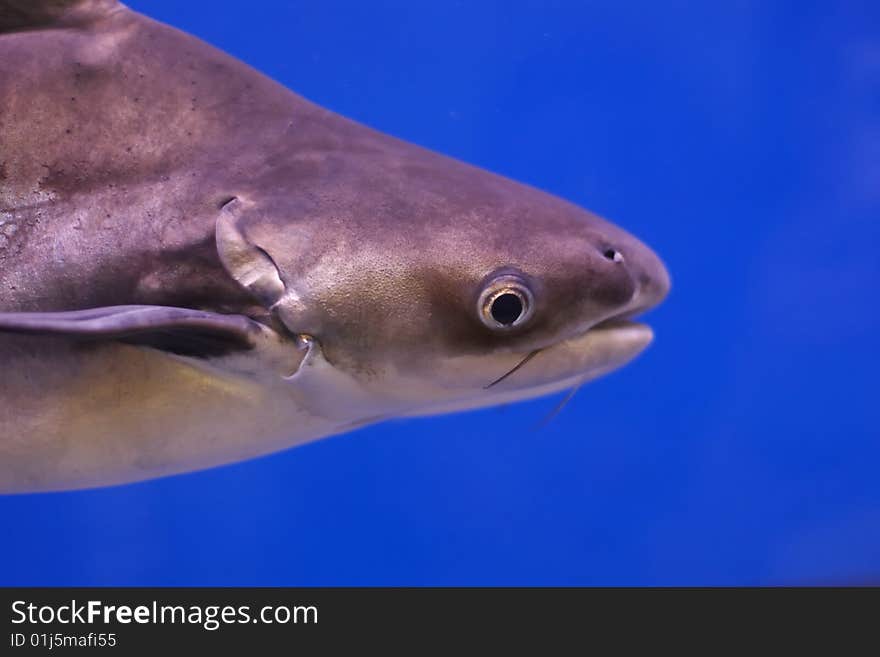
x=198, y=266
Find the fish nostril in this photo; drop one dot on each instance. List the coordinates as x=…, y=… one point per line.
x=613, y=254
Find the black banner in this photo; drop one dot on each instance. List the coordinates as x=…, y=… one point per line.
x=127, y=621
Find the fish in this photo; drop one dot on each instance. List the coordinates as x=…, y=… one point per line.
x=199, y=266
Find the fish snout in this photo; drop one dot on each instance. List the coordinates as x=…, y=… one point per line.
x=651, y=278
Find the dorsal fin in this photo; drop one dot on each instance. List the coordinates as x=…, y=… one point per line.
x=19, y=15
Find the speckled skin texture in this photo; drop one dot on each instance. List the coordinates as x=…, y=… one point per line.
x=120, y=141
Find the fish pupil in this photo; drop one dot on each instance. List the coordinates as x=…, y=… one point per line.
x=507, y=308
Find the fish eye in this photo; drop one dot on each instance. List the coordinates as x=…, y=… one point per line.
x=505, y=303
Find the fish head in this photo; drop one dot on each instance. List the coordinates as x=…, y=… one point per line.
x=420, y=284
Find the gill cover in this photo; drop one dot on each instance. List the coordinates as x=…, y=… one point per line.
x=250, y=265
x=322, y=388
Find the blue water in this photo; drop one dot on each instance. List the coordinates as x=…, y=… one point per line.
x=742, y=141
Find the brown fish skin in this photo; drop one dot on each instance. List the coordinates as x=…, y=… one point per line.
x=122, y=140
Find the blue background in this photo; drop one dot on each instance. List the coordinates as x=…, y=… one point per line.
x=742, y=141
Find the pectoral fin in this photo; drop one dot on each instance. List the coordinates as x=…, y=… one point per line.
x=182, y=331
x=246, y=262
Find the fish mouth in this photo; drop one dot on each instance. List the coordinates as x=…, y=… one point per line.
x=619, y=322
x=569, y=363
x=560, y=366
x=579, y=357
x=603, y=347
x=622, y=328
x=622, y=320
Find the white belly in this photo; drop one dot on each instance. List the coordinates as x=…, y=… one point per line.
x=77, y=416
